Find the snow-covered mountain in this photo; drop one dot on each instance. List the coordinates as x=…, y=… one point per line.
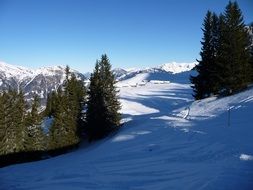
x=168, y=69
x=40, y=81
x=169, y=72
x=44, y=80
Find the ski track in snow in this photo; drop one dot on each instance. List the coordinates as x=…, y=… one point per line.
x=167, y=142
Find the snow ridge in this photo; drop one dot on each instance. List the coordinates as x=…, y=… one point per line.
x=19, y=72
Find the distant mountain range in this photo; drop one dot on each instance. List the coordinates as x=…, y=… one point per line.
x=47, y=79
x=33, y=81
x=168, y=68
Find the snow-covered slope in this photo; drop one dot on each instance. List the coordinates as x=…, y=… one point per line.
x=168, y=141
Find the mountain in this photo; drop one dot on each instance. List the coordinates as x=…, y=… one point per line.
x=44, y=80
x=33, y=81
x=170, y=72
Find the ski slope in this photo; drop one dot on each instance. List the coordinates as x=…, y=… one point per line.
x=168, y=141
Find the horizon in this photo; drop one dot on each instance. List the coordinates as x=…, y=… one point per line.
x=84, y=72
x=134, y=34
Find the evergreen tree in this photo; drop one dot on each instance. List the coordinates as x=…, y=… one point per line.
x=67, y=106
x=76, y=94
x=233, y=54
x=12, y=121
x=35, y=135
x=58, y=131
x=103, y=105
x=203, y=83
x=2, y=125
x=224, y=67
x=18, y=120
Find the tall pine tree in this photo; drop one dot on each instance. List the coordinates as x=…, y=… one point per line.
x=233, y=53
x=103, y=105
x=66, y=107
x=203, y=83
x=12, y=122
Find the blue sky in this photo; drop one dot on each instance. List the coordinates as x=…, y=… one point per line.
x=133, y=33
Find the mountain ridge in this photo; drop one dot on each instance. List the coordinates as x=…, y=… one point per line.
x=44, y=80
x=33, y=81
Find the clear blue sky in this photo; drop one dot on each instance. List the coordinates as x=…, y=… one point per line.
x=134, y=33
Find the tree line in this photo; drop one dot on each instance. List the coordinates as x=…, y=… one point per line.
x=77, y=113
x=226, y=63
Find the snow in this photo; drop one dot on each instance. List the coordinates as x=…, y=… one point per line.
x=246, y=157
x=122, y=138
x=21, y=73
x=177, y=67
x=14, y=71
x=168, y=141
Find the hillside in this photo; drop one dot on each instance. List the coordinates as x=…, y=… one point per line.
x=168, y=141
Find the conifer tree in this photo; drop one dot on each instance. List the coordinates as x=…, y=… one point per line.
x=76, y=94
x=2, y=124
x=233, y=54
x=203, y=84
x=19, y=116
x=103, y=105
x=13, y=122
x=58, y=130
x=35, y=135
x=66, y=108
x=8, y=130
x=224, y=67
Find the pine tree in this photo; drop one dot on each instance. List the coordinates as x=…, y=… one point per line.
x=35, y=135
x=19, y=114
x=8, y=131
x=224, y=67
x=13, y=122
x=103, y=105
x=203, y=83
x=58, y=130
x=234, y=55
x=66, y=108
x=75, y=92
x=2, y=124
